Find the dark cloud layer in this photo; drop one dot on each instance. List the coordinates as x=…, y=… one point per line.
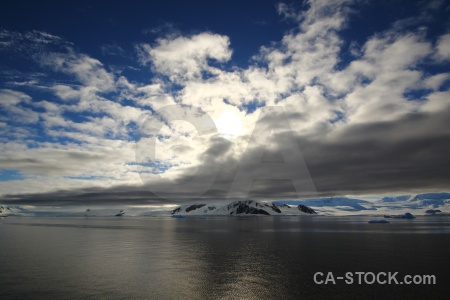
x=410, y=154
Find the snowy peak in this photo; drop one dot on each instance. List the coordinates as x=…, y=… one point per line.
x=193, y=209
x=12, y=210
x=395, y=198
x=432, y=196
x=425, y=199
x=239, y=208
x=246, y=208
x=342, y=203
x=236, y=208
x=431, y=200
x=419, y=201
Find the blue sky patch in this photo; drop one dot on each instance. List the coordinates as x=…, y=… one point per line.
x=8, y=175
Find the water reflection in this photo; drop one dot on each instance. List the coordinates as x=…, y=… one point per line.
x=214, y=258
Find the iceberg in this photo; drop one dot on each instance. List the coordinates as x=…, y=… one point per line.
x=378, y=221
x=404, y=216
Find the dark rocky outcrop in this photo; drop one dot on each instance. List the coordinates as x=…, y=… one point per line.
x=282, y=205
x=178, y=209
x=306, y=209
x=275, y=209
x=190, y=208
x=2, y=209
x=120, y=214
x=194, y=206
x=242, y=207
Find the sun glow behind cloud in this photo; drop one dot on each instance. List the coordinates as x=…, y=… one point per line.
x=229, y=123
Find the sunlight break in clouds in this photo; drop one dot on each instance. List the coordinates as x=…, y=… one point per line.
x=370, y=115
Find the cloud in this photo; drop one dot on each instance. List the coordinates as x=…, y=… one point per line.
x=30, y=44
x=13, y=38
x=87, y=70
x=443, y=47
x=13, y=105
x=435, y=82
x=374, y=122
x=65, y=92
x=186, y=58
x=113, y=49
x=12, y=98
x=166, y=29
x=405, y=155
x=436, y=102
x=309, y=52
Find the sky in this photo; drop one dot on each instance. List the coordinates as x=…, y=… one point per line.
x=144, y=102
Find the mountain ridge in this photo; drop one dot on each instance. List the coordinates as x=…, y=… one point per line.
x=240, y=208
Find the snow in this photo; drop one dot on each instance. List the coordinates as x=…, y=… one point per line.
x=397, y=204
x=13, y=211
x=403, y=216
x=238, y=208
x=339, y=203
x=378, y=221
x=419, y=204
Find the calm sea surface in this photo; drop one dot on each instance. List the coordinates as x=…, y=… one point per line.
x=218, y=257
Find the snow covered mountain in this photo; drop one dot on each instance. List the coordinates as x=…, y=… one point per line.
x=12, y=211
x=425, y=204
x=431, y=200
x=333, y=203
x=419, y=203
x=236, y=208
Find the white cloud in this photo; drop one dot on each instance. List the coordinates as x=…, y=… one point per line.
x=11, y=98
x=145, y=95
x=10, y=104
x=185, y=58
x=227, y=86
x=87, y=70
x=382, y=99
x=434, y=82
x=66, y=92
x=308, y=54
x=443, y=47
x=393, y=51
x=381, y=55
x=437, y=102
x=373, y=86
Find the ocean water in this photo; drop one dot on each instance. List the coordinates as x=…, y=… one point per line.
x=218, y=257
